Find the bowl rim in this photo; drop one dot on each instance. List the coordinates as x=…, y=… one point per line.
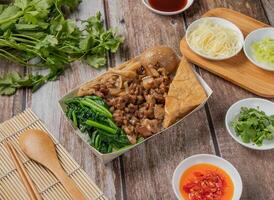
x=189, y=3
x=257, y=64
x=237, y=139
x=239, y=33
x=235, y=172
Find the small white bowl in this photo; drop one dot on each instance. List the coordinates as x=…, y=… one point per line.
x=222, y=22
x=234, y=111
x=210, y=159
x=255, y=36
x=188, y=4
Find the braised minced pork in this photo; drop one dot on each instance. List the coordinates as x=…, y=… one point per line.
x=139, y=109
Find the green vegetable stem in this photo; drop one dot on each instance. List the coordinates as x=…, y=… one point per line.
x=101, y=126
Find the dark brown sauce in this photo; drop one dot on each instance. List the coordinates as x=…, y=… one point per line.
x=168, y=5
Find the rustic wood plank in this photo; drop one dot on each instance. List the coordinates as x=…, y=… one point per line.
x=148, y=168
x=256, y=168
x=268, y=6
x=44, y=103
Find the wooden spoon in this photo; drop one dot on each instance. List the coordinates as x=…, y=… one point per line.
x=38, y=145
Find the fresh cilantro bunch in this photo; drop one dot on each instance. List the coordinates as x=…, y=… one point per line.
x=36, y=33
x=253, y=125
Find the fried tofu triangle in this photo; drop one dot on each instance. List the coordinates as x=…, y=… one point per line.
x=185, y=93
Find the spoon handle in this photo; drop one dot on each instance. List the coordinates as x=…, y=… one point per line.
x=69, y=185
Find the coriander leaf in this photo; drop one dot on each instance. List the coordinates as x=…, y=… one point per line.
x=69, y=26
x=9, y=17
x=109, y=41
x=48, y=41
x=86, y=43
x=94, y=25
x=28, y=80
x=7, y=91
x=8, y=83
x=42, y=5
x=56, y=26
x=9, y=13
x=15, y=76
x=22, y=4
x=2, y=8
x=96, y=61
x=270, y=129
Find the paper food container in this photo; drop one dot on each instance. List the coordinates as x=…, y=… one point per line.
x=110, y=156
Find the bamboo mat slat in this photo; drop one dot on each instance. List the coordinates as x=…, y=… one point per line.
x=11, y=186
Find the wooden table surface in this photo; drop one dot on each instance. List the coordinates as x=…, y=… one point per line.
x=145, y=172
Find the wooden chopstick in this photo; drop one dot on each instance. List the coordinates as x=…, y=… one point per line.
x=29, y=185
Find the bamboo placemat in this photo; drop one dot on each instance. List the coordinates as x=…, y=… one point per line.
x=11, y=186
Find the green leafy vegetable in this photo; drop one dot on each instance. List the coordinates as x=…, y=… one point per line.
x=253, y=125
x=35, y=33
x=264, y=50
x=91, y=115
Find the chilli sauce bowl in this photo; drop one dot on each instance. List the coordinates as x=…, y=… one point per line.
x=160, y=12
x=212, y=160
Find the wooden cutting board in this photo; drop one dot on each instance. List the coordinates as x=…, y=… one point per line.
x=238, y=70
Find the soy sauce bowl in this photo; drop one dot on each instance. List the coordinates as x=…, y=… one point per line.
x=188, y=4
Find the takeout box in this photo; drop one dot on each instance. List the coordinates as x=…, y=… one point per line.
x=110, y=156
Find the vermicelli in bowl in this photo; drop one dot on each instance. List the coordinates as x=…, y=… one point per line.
x=213, y=40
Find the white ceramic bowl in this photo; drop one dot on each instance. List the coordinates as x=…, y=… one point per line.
x=146, y=3
x=210, y=159
x=222, y=22
x=255, y=36
x=233, y=112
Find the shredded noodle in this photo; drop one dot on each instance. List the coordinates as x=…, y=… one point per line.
x=214, y=40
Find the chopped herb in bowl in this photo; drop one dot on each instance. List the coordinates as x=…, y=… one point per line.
x=253, y=125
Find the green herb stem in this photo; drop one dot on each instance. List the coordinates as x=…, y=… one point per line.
x=26, y=36
x=23, y=40
x=17, y=15
x=11, y=57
